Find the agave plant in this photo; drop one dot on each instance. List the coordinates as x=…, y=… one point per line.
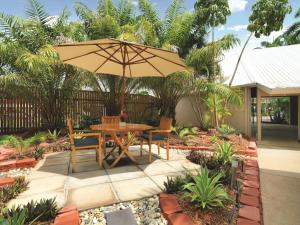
x=53, y=136
x=224, y=152
x=206, y=191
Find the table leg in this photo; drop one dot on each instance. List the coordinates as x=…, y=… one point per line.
x=123, y=149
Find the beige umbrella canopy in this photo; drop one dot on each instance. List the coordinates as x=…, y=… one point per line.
x=126, y=59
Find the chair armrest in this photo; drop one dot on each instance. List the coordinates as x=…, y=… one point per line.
x=160, y=131
x=88, y=134
x=87, y=131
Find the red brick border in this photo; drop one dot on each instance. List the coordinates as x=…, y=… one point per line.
x=172, y=210
x=251, y=210
x=13, y=164
x=7, y=181
x=68, y=215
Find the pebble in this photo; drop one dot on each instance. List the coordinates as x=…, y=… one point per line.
x=146, y=212
x=16, y=172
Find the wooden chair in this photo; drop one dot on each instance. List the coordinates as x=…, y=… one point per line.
x=86, y=141
x=158, y=136
x=110, y=120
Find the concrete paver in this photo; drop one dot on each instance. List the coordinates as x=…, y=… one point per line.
x=93, y=187
x=135, y=188
x=280, y=185
x=92, y=196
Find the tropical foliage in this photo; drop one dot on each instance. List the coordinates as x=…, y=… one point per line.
x=205, y=190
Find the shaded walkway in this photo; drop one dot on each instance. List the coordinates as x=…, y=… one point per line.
x=280, y=184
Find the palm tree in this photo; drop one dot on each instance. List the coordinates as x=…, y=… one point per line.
x=31, y=65
x=205, y=61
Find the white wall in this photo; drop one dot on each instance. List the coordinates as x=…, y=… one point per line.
x=185, y=114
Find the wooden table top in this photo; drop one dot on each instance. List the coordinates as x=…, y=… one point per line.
x=118, y=128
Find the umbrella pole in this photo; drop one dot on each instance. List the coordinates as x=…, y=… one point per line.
x=123, y=90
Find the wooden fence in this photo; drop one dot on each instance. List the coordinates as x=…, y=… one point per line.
x=19, y=114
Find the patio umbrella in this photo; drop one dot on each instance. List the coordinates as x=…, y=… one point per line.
x=126, y=59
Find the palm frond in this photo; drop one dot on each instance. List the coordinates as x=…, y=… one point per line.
x=10, y=25
x=84, y=12
x=174, y=10
x=36, y=11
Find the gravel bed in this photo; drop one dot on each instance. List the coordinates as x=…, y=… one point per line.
x=146, y=212
x=16, y=172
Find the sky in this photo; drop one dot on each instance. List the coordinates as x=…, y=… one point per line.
x=236, y=22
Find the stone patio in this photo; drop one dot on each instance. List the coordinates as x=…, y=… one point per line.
x=91, y=187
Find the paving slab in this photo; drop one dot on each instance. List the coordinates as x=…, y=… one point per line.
x=46, y=184
x=82, y=179
x=135, y=189
x=160, y=179
x=92, y=196
x=280, y=185
x=157, y=168
x=62, y=169
x=59, y=196
x=86, y=166
x=183, y=164
x=125, y=173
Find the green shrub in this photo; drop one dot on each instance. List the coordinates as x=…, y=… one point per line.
x=43, y=210
x=214, y=139
x=224, y=152
x=173, y=185
x=20, y=144
x=187, y=131
x=206, y=191
x=38, y=138
x=8, y=192
x=227, y=130
x=203, y=159
x=38, y=153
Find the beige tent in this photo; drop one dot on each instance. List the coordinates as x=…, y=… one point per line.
x=126, y=59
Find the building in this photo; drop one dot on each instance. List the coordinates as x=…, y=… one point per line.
x=264, y=74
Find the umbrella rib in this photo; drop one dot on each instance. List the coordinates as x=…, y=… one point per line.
x=162, y=57
x=87, y=53
x=111, y=55
x=142, y=60
x=107, y=59
x=147, y=61
x=136, y=55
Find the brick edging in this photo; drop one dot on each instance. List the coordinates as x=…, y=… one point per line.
x=16, y=164
x=7, y=181
x=172, y=211
x=68, y=215
x=251, y=210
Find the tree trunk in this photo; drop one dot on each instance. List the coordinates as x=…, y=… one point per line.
x=239, y=59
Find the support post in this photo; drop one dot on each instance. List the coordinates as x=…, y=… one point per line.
x=258, y=106
x=247, y=111
x=298, y=118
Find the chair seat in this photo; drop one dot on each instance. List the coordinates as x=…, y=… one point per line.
x=155, y=137
x=88, y=141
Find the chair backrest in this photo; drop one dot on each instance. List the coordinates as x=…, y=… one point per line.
x=165, y=123
x=70, y=126
x=110, y=120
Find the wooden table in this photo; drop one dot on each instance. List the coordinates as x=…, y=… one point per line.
x=122, y=140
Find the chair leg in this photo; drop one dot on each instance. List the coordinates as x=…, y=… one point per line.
x=97, y=155
x=150, y=149
x=158, y=148
x=168, y=149
x=141, y=147
x=73, y=159
x=100, y=157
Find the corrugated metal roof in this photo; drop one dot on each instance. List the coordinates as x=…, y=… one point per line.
x=274, y=69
